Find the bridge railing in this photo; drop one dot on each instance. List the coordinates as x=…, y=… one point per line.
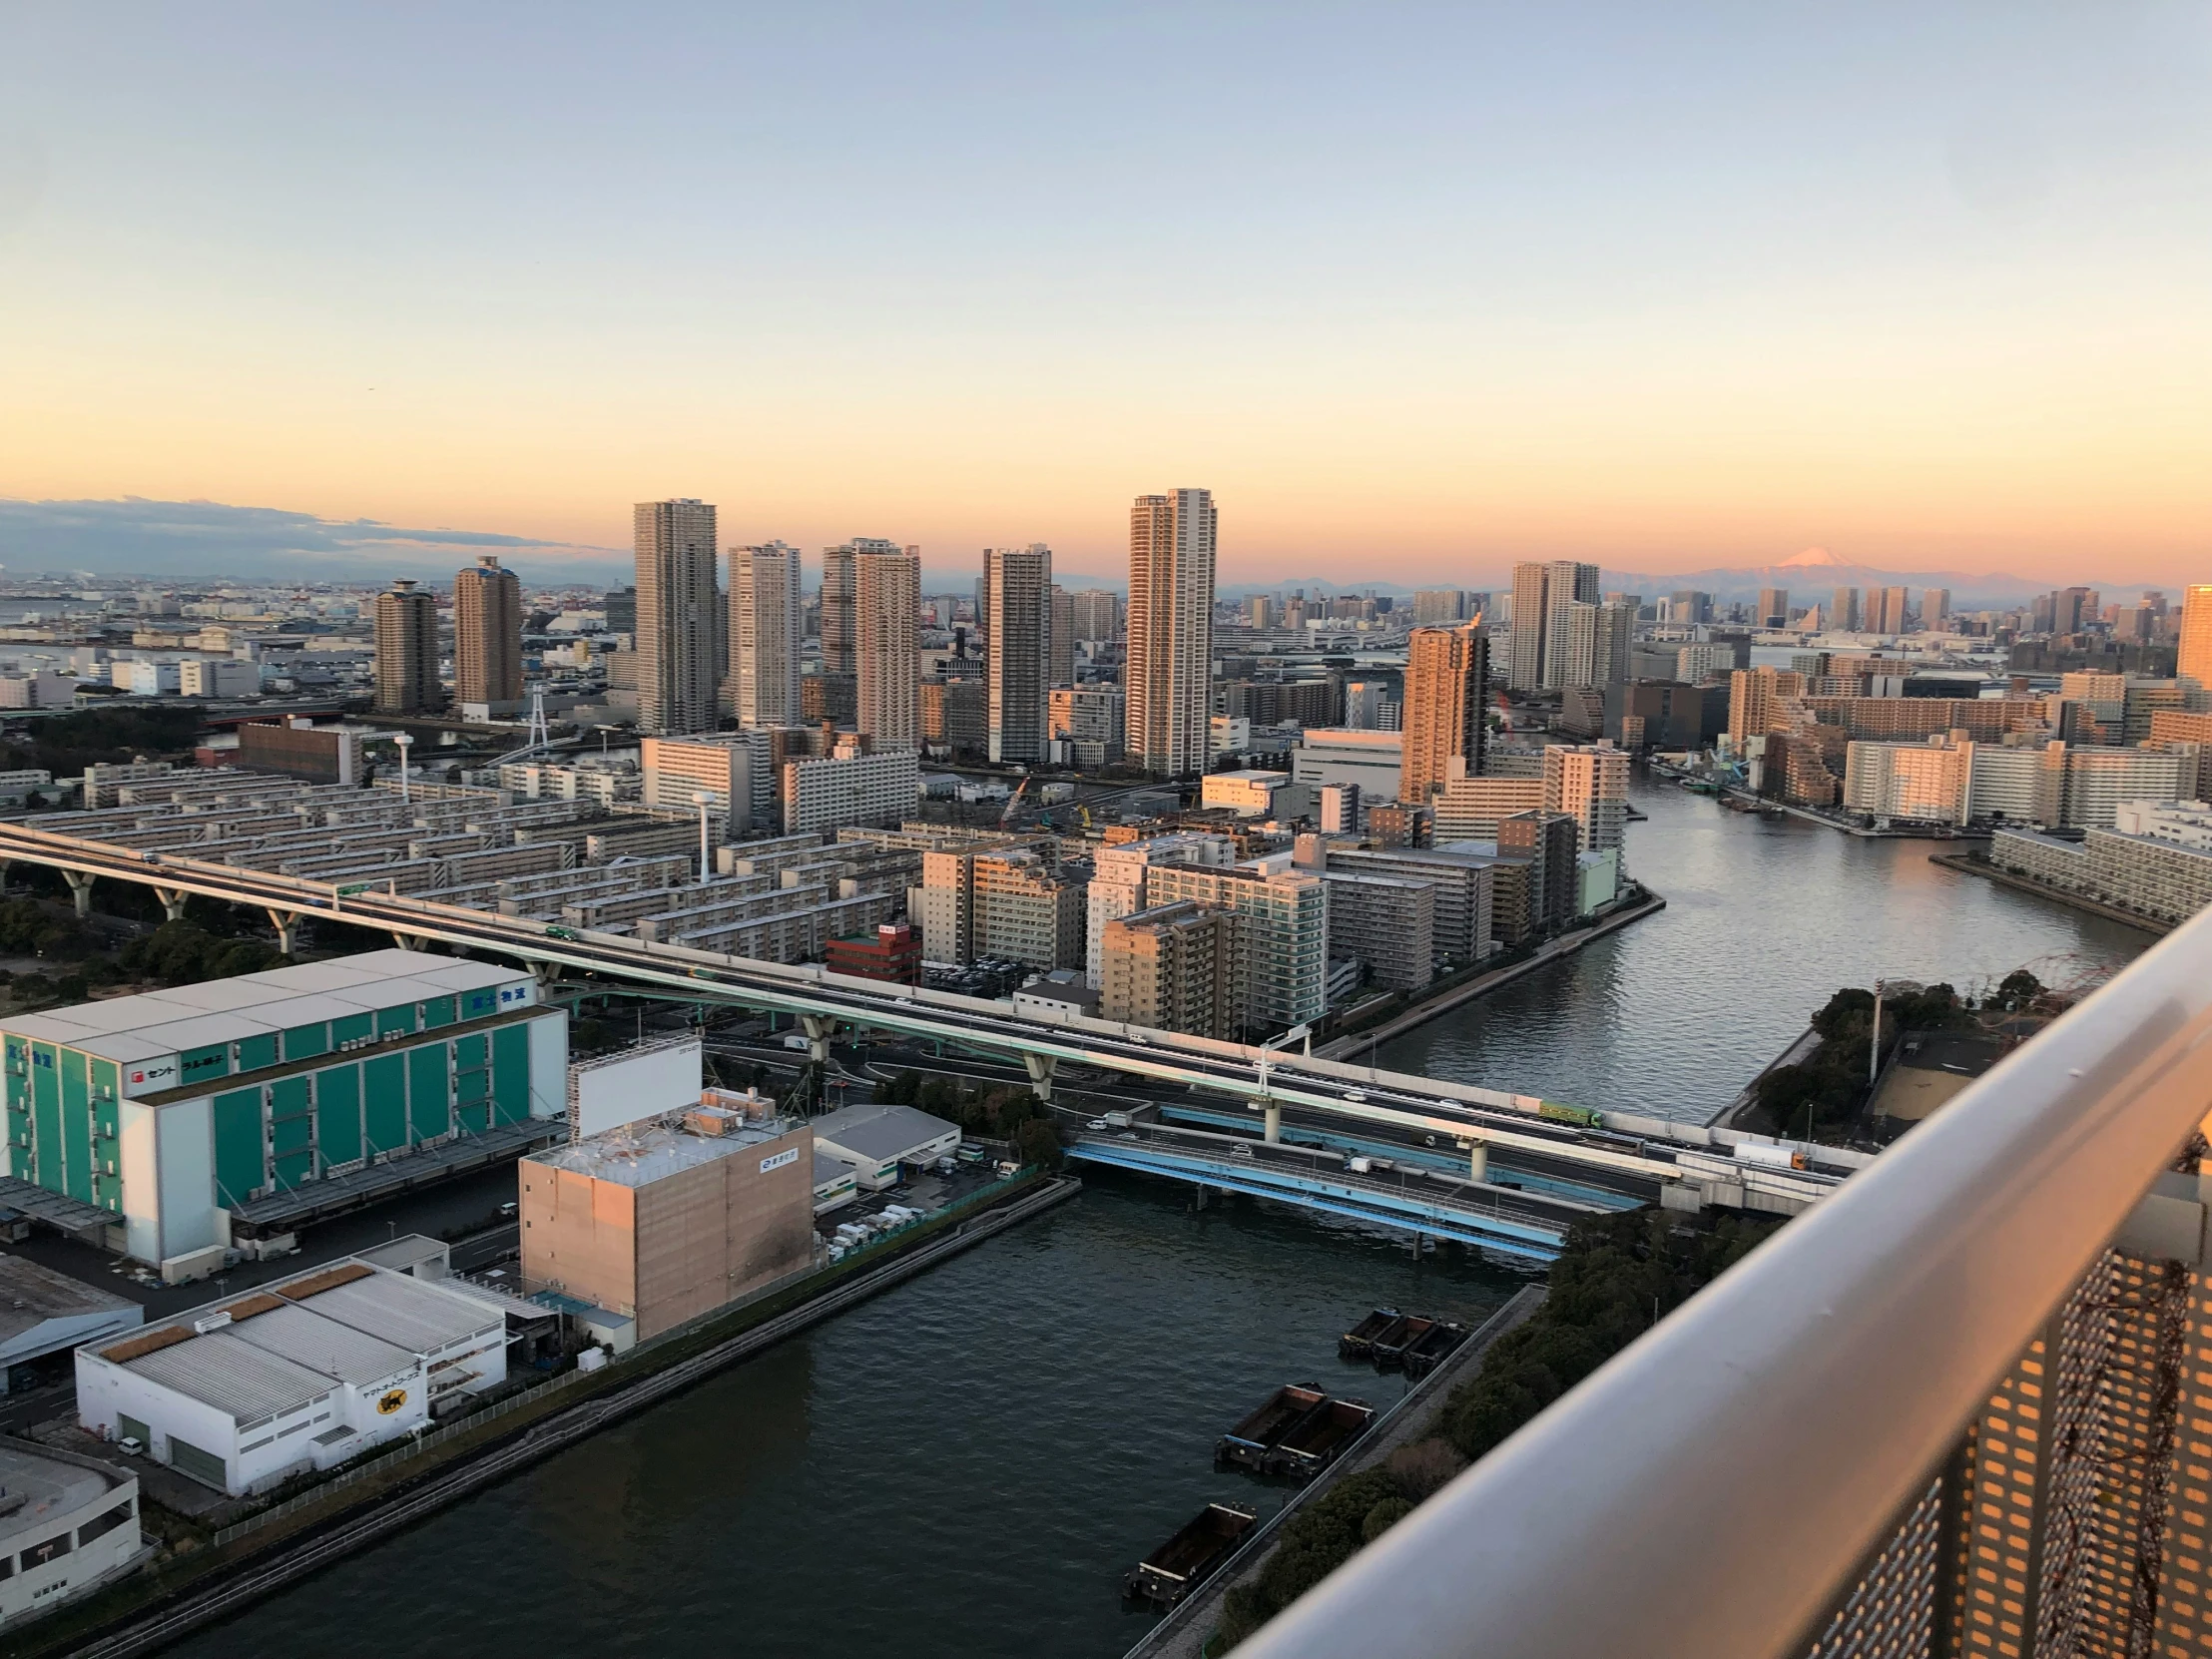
x=1948, y=1411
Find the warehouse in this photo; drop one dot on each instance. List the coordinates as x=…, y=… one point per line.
x=876, y=1140
x=44, y=1313
x=668, y=1218
x=67, y=1523
x=177, y=1110
x=305, y=1372
x=833, y=1183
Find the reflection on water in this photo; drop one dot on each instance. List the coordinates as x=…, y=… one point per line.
x=966, y=1464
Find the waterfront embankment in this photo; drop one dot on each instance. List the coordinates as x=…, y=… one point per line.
x=1966, y=863
x=1182, y=1633
x=1482, y=984
x=150, y=1612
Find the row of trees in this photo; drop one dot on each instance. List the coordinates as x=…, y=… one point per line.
x=1614, y=1277
x=1826, y=1090
x=992, y=1113
x=65, y=744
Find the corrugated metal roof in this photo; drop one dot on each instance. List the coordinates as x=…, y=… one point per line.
x=233, y=1376
x=290, y=1331
x=416, y=1315
x=211, y=996
x=472, y=976
x=881, y=1132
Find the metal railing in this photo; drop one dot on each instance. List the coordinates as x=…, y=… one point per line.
x=1930, y=1416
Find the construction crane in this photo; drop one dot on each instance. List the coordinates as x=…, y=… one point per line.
x=1014, y=800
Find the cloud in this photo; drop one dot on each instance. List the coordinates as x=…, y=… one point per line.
x=132, y=536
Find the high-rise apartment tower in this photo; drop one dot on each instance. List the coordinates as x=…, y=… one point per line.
x=886, y=616
x=1447, y=672
x=407, y=652
x=764, y=633
x=1566, y=582
x=2195, y=661
x=1169, y=677
x=1018, y=594
x=677, y=624
x=487, y=634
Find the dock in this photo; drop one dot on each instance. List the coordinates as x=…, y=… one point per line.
x=1182, y=1634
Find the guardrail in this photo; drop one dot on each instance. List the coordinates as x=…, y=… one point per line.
x=1946, y=1411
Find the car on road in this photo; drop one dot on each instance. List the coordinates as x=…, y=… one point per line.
x=1355, y=1097
x=561, y=934
x=1096, y=1125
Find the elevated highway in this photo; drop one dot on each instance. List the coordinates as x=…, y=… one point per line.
x=1688, y=1166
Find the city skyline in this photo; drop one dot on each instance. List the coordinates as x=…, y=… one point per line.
x=1655, y=294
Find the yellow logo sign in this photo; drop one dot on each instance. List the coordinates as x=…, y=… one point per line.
x=393, y=1401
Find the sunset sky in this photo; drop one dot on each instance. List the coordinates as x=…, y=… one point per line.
x=1416, y=290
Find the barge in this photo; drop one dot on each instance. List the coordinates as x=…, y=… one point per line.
x=1253, y=1441
x=1358, y=1342
x=1391, y=1348
x=1185, y=1560
x=1434, y=1347
x=1320, y=1438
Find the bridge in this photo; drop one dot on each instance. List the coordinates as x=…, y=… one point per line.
x=1509, y=1145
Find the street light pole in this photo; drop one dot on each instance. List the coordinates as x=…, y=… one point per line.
x=702, y=799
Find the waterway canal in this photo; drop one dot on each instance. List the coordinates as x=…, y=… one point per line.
x=964, y=1467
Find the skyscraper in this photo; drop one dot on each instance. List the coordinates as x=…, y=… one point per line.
x=1097, y=614
x=1439, y=607
x=886, y=607
x=2195, y=661
x=675, y=617
x=1259, y=611
x=1843, y=610
x=837, y=605
x=1774, y=608
x=764, y=633
x=407, y=652
x=1018, y=594
x=1063, y=637
x=1894, y=602
x=1593, y=646
x=1531, y=585
x=1169, y=677
x=1935, y=610
x=1446, y=670
x=1566, y=582
x=487, y=634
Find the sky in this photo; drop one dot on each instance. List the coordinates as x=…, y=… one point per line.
x=1416, y=290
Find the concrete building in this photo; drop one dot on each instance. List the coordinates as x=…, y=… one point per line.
x=1337, y=808
x=2159, y=867
x=850, y=788
x=1373, y=760
x=2193, y=659
x=1470, y=809
x=2187, y=732
x=1018, y=594
x=1773, y=608
x=1171, y=967
x=678, y=625
x=70, y=1524
x=1061, y=670
x=1439, y=607
x=1091, y=721
x=1446, y=681
x=765, y=634
x=878, y=1140
x=733, y=767
x=1372, y=705
x=407, y=652
x=1463, y=883
x=487, y=636
x=1908, y=783
x=1282, y=939
x=1552, y=844
x=840, y=586
x=668, y=1218
x=1532, y=599
x=299, y=1373
x=204, y=1116
x=1118, y=883
x=201, y=677
x=1386, y=922
x=1567, y=583
x=1759, y=699
x=1097, y=614
x=886, y=613
x=1589, y=785
x=1254, y=794
x=956, y=715
x=2079, y=787
x=1169, y=673
x=300, y=749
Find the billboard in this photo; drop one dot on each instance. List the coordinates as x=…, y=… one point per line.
x=638, y=1083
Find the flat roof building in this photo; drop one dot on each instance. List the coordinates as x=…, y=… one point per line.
x=67, y=1524
x=207, y=1113
x=876, y=1140
x=42, y=1312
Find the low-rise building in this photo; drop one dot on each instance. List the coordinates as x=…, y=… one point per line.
x=876, y=1140
x=835, y=1186
x=1254, y=794
x=44, y=1313
x=891, y=953
x=300, y=1373
x=1370, y=758
x=67, y=1524
x=1470, y=809
x=849, y=788
x=2156, y=862
x=668, y=1218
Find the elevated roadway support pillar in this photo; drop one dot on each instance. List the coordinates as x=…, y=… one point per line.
x=1275, y=1122
x=80, y=889
x=818, y=1028
x=548, y=974
x=286, y=923
x=1040, y=1068
x=173, y=902
x=410, y=942
x=1479, y=1161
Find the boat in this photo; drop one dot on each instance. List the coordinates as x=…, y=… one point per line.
x=1435, y=1346
x=1320, y=1438
x=1391, y=1348
x=1358, y=1342
x=1253, y=1441
x=1185, y=1560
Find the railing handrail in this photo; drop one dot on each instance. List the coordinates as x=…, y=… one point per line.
x=1710, y=1492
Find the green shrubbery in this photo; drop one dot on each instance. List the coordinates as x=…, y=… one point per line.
x=66, y=744
x=1000, y=1114
x=182, y=953
x=1825, y=1090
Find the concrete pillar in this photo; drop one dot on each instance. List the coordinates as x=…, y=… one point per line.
x=1040, y=1068
x=818, y=1028
x=1478, y=1162
x=549, y=974
x=1275, y=1121
x=173, y=902
x=80, y=889
x=286, y=923
x=410, y=942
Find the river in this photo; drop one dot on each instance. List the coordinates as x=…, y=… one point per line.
x=965, y=1466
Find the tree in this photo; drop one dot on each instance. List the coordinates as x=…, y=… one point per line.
x=2018, y=990
x=1039, y=1142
